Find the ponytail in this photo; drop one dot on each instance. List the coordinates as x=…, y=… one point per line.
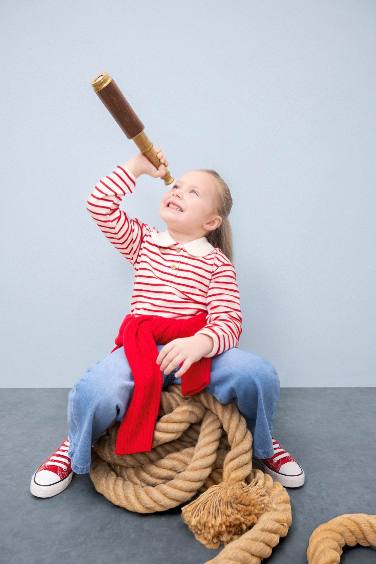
x=221, y=237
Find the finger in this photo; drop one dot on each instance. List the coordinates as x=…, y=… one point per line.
x=159, y=357
x=163, y=352
x=176, y=361
x=159, y=172
x=170, y=356
x=165, y=364
x=184, y=367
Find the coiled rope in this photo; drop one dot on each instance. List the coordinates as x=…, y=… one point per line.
x=202, y=454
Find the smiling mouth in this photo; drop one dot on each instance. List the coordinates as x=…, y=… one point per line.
x=174, y=207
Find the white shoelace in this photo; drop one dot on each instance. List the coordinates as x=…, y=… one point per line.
x=277, y=448
x=59, y=460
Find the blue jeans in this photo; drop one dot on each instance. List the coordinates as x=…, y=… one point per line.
x=102, y=395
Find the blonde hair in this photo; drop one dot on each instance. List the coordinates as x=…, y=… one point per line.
x=221, y=237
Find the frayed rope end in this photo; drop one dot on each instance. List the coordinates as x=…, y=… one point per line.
x=225, y=511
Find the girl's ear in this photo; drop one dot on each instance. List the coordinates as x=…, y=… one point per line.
x=214, y=223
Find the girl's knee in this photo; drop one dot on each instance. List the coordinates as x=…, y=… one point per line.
x=256, y=372
x=84, y=397
x=267, y=375
x=248, y=363
x=104, y=376
x=103, y=392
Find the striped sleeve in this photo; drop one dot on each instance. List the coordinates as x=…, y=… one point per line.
x=125, y=233
x=224, y=320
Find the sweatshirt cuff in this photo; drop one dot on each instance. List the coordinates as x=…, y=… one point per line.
x=214, y=336
x=128, y=171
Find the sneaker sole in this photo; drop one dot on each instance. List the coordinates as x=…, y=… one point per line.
x=38, y=490
x=286, y=481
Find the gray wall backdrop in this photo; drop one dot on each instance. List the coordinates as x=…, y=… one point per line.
x=278, y=96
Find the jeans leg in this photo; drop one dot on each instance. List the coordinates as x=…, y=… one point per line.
x=253, y=383
x=98, y=398
x=102, y=395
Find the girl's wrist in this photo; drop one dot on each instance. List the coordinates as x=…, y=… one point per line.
x=205, y=342
x=132, y=167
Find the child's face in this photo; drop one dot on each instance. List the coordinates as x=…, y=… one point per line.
x=196, y=194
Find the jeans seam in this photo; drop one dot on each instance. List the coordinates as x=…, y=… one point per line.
x=71, y=443
x=72, y=406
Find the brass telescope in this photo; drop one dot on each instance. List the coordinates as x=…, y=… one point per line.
x=120, y=109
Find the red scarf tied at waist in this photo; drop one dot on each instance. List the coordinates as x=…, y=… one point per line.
x=139, y=334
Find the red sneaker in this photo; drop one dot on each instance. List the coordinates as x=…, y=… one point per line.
x=54, y=474
x=282, y=467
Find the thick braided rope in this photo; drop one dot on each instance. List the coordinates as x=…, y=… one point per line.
x=200, y=445
x=328, y=539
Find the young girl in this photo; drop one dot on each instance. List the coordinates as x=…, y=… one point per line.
x=179, y=272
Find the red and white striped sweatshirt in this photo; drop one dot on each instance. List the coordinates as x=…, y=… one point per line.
x=172, y=279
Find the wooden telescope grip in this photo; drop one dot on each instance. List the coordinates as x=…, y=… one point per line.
x=112, y=97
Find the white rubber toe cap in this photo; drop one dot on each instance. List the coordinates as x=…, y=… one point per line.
x=47, y=484
x=46, y=478
x=291, y=469
x=290, y=475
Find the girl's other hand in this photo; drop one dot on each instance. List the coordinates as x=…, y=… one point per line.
x=183, y=352
x=139, y=164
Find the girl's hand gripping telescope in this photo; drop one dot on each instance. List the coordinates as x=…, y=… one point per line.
x=124, y=115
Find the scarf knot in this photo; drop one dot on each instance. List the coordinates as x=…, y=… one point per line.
x=139, y=335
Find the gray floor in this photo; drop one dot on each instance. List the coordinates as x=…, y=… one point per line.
x=331, y=431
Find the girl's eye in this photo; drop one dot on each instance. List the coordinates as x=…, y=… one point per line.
x=175, y=186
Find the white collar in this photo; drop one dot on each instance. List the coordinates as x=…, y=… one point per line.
x=198, y=247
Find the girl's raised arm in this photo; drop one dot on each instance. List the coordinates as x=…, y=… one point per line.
x=125, y=233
